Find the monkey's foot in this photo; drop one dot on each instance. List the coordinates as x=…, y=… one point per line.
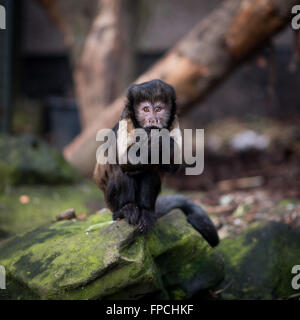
x=117, y=215
x=131, y=213
x=147, y=220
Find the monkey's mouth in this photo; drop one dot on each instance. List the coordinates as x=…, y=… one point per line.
x=148, y=129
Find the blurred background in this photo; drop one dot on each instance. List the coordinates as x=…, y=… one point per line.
x=65, y=66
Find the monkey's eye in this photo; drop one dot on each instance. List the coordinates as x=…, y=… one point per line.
x=158, y=109
x=146, y=109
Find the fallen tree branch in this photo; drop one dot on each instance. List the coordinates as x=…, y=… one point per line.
x=197, y=63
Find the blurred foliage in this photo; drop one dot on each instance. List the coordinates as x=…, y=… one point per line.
x=28, y=117
x=29, y=160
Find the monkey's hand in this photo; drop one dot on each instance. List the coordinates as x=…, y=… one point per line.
x=143, y=218
x=133, y=170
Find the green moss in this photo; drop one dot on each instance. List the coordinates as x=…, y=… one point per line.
x=198, y=267
x=259, y=262
x=63, y=261
x=178, y=294
x=288, y=201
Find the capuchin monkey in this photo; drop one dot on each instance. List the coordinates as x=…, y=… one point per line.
x=131, y=190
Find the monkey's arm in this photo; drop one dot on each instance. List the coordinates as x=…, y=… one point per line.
x=196, y=216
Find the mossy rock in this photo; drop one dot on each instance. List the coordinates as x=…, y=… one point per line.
x=29, y=160
x=258, y=263
x=101, y=259
x=44, y=204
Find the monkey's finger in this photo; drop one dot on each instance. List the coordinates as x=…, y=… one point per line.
x=132, y=214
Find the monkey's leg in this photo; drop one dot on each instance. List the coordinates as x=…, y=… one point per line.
x=149, y=188
x=124, y=201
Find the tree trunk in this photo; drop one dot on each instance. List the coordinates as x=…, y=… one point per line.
x=105, y=61
x=197, y=63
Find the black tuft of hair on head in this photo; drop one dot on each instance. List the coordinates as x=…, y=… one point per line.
x=154, y=90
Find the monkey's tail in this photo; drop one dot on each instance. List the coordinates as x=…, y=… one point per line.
x=196, y=216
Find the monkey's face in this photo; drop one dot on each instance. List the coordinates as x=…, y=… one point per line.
x=152, y=115
x=152, y=104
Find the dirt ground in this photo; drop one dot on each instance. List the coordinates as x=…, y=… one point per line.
x=241, y=186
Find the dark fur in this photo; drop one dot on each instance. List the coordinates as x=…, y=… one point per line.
x=131, y=191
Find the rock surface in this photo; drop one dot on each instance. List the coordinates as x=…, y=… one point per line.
x=100, y=259
x=258, y=263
